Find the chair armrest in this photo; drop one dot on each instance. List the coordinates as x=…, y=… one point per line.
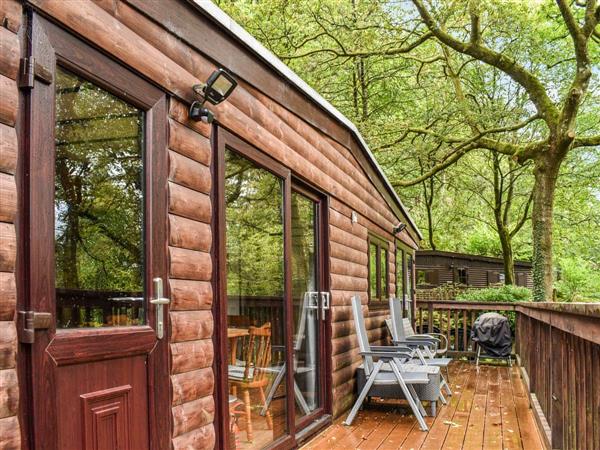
x=444, y=338
x=390, y=348
x=418, y=337
x=387, y=355
x=414, y=343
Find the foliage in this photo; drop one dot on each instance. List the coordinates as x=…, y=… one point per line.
x=437, y=87
x=577, y=281
x=507, y=293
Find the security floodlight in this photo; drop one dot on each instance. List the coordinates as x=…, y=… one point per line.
x=218, y=87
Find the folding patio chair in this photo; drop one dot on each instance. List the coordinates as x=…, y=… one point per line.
x=307, y=306
x=425, y=347
x=396, y=373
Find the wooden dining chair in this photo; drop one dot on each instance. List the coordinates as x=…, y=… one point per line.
x=253, y=374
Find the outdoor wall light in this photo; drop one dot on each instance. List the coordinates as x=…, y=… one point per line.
x=398, y=228
x=218, y=87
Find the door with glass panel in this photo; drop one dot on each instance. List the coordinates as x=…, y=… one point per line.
x=94, y=309
x=310, y=304
x=271, y=300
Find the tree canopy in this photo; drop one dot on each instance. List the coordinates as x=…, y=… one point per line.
x=484, y=114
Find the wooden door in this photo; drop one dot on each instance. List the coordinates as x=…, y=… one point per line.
x=94, y=241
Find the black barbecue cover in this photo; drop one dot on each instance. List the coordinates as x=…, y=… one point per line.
x=492, y=332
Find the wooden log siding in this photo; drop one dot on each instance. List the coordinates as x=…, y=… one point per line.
x=10, y=13
x=190, y=269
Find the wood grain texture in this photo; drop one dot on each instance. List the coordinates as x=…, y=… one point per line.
x=202, y=438
x=191, y=355
x=189, y=173
x=190, y=295
x=179, y=112
x=9, y=394
x=8, y=345
x=189, y=203
x=8, y=296
x=9, y=53
x=11, y=14
x=187, y=233
x=10, y=434
x=192, y=415
x=191, y=325
x=189, y=386
x=10, y=100
x=188, y=142
x=8, y=198
x=8, y=149
x=189, y=264
x=8, y=247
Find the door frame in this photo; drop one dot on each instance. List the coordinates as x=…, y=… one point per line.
x=51, y=45
x=322, y=201
x=223, y=139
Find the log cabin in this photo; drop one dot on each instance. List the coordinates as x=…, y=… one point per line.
x=435, y=268
x=159, y=274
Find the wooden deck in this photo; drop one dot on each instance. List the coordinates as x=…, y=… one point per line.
x=488, y=410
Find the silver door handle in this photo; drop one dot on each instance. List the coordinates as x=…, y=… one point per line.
x=325, y=305
x=159, y=301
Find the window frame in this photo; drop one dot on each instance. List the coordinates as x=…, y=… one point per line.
x=379, y=243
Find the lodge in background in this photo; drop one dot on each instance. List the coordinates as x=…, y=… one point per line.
x=179, y=284
x=447, y=269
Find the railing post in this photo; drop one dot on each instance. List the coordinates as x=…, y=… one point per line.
x=430, y=317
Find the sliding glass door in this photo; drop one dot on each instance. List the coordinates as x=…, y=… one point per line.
x=272, y=304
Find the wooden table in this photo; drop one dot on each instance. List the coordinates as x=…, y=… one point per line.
x=233, y=334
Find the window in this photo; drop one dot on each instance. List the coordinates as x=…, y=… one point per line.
x=427, y=277
x=462, y=275
x=378, y=269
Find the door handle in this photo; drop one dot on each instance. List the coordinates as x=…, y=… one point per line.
x=325, y=305
x=159, y=301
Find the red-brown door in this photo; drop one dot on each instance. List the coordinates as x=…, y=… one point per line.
x=94, y=250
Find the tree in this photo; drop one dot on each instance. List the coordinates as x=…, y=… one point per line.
x=559, y=115
x=428, y=74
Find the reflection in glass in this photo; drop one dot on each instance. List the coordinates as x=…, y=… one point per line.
x=373, y=270
x=383, y=273
x=400, y=273
x=306, y=305
x=255, y=302
x=98, y=207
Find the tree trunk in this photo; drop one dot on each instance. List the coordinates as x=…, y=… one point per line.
x=546, y=173
x=507, y=255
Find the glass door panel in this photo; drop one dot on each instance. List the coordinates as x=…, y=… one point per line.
x=255, y=285
x=98, y=207
x=306, y=297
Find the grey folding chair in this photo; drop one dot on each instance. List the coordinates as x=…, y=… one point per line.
x=397, y=374
x=424, y=347
x=308, y=306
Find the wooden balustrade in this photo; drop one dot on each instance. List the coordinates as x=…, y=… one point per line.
x=454, y=319
x=559, y=351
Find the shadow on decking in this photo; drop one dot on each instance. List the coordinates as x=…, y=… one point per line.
x=488, y=410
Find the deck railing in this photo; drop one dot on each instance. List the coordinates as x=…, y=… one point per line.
x=558, y=349
x=454, y=319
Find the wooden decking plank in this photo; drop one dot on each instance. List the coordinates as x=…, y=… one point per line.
x=492, y=435
x=510, y=426
x=444, y=420
x=399, y=433
x=485, y=407
x=380, y=433
x=456, y=434
x=476, y=424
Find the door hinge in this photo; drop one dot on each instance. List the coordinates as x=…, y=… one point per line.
x=29, y=321
x=30, y=70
